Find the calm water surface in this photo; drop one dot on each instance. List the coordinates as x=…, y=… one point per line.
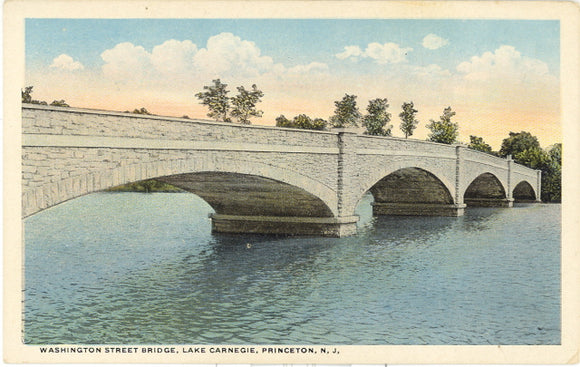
x=129, y=268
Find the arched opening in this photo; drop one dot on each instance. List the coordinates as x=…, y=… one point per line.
x=486, y=190
x=524, y=193
x=412, y=191
x=242, y=194
x=246, y=203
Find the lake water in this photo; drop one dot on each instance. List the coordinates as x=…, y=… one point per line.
x=130, y=268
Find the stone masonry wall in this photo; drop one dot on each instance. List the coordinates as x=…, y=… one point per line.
x=69, y=152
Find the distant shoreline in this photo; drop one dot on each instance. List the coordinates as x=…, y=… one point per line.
x=147, y=186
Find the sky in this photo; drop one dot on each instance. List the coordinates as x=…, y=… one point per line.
x=497, y=75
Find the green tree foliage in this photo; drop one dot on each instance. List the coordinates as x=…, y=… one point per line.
x=244, y=104
x=409, y=122
x=477, y=143
x=216, y=99
x=517, y=143
x=301, y=122
x=141, y=111
x=444, y=131
x=552, y=183
x=60, y=103
x=27, y=96
x=146, y=186
x=525, y=149
x=346, y=113
x=377, y=120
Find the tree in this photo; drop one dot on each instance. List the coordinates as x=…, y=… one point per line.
x=244, y=104
x=346, y=113
x=301, y=122
x=409, y=123
x=444, y=131
x=377, y=119
x=525, y=149
x=282, y=121
x=216, y=99
x=477, y=143
x=27, y=96
x=552, y=179
x=517, y=143
x=141, y=111
x=60, y=103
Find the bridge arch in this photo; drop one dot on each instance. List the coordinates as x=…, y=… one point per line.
x=54, y=193
x=524, y=192
x=410, y=190
x=485, y=190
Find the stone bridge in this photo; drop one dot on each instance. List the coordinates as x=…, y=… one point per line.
x=260, y=179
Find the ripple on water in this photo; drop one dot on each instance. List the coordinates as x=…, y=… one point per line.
x=132, y=268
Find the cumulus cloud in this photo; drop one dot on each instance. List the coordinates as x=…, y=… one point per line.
x=433, y=41
x=352, y=52
x=225, y=55
x=173, y=57
x=504, y=63
x=387, y=53
x=126, y=61
x=65, y=62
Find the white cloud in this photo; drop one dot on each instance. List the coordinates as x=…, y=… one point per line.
x=388, y=53
x=504, y=63
x=65, y=62
x=225, y=56
x=433, y=41
x=352, y=52
x=173, y=57
x=126, y=61
x=229, y=54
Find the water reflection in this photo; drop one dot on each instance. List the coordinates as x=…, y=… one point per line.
x=480, y=279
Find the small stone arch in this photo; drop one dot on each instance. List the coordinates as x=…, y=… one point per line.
x=485, y=190
x=386, y=170
x=412, y=191
x=524, y=192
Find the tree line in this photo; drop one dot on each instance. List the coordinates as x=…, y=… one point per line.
x=523, y=147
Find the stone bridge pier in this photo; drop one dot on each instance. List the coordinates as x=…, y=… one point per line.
x=260, y=179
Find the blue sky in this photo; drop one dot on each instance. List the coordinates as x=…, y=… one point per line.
x=480, y=67
x=296, y=41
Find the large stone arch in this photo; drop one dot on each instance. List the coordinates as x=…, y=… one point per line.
x=524, y=192
x=54, y=193
x=486, y=190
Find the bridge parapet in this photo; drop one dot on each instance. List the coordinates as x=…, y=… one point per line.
x=484, y=158
x=51, y=120
x=389, y=145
